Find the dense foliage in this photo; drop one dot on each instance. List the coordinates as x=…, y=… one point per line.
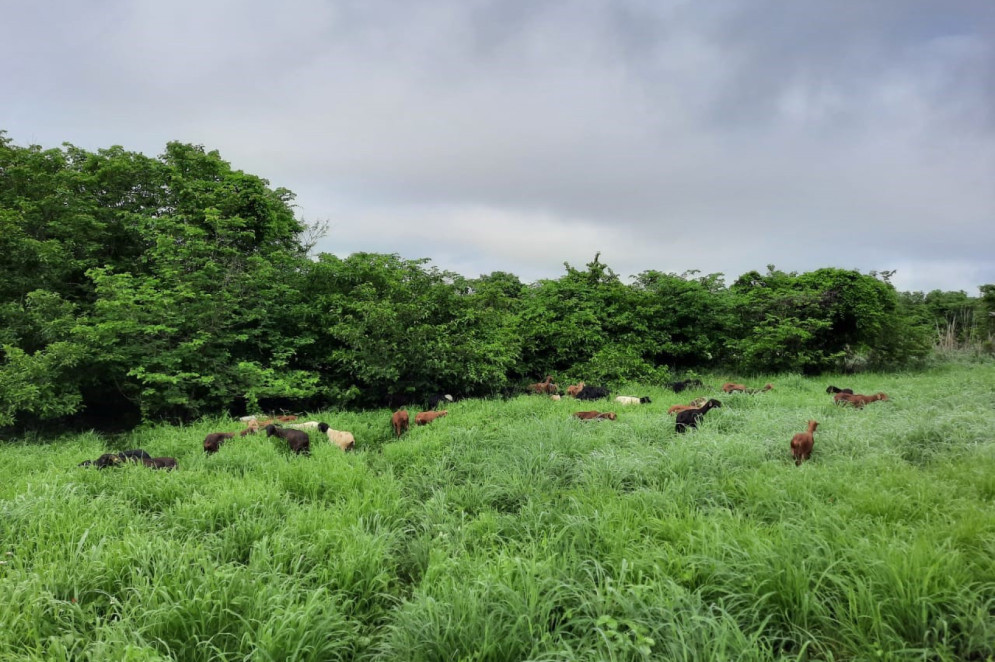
x=175, y=286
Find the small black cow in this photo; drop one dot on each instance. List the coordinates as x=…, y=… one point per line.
x=592, y=393
x=691, y=417
x=684, y=384
x=297, y=440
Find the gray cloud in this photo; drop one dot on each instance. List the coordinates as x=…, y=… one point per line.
x=516, y=135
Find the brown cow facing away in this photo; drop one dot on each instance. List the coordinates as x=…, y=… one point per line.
x=801, y=444
x=426, y=417
x=400, y=422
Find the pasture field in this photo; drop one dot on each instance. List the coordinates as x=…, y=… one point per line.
x=511, y=531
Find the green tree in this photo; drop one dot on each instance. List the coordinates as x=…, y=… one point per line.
x=385, y=326
x=168, y=285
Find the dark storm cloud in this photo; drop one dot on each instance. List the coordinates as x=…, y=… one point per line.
x=515, y=135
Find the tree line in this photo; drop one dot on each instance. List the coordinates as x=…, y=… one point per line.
x=171, y=287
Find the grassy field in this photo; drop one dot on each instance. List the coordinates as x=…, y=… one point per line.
x=511, y=531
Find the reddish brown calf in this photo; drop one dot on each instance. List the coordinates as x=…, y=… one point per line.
x=595, y=415
x=858, y=400
x=546, y=386
x=801, y=444
x=400, y=421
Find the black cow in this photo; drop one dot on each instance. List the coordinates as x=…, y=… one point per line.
x=691, y=417
x=115, y=459
x=684, y=384
x=297, y=440
x=592, y=393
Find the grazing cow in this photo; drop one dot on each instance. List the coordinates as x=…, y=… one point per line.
x=801, y=444
x=684, y=384
x=574, y=389
x=546, y=386
x=594, y=415
x=433, y=401
x=167, y=463
x=108, y=460
x=592, y=393
x=214, y=440
x=730, y=387
x=400, y=421
x=691, y=417
x=832, y=389
x=297, y=440
x=116, y=459
x=426, y=417
x=632, y=400
x=857, y=400
x=286, y=419
x=343, y=440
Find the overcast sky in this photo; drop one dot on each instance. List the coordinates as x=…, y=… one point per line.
x=516, y=135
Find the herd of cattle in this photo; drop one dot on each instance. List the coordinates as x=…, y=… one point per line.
x=689, y=415
x=299, y=441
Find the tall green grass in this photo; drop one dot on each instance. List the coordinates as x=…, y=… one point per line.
x=510, y=530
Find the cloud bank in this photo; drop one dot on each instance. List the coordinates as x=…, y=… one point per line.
x=674, y=135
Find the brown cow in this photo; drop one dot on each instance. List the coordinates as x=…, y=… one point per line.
x=545, y=387
x=400, y=421
x=213, y=441
x=730, y=387
x=426, y=417
x=594, y=415
x=574, y=389
x=858, y=400
x=676, y=409
x=801, y=444
x=694, y=404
